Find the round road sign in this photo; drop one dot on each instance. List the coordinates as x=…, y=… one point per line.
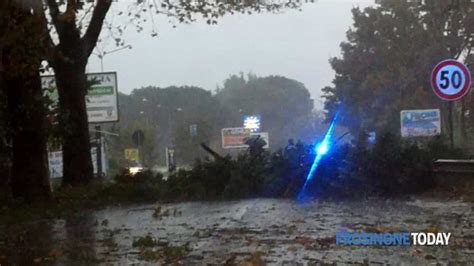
x=138, y=137
x=451, y=80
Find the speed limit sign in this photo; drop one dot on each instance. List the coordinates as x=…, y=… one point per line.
x=451, y=80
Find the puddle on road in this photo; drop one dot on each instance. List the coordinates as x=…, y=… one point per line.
x=267, y=231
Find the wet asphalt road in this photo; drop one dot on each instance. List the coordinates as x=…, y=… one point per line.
x=248, y=232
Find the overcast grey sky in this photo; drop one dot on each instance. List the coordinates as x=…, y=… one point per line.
x=293, y=44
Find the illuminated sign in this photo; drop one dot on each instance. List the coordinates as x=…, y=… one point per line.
x=252, y=122
x=131, y=154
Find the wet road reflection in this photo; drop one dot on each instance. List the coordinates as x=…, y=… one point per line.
x=256, y=232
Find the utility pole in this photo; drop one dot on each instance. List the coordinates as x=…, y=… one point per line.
x=98, y=130
x=98, y=137
x=101, y=55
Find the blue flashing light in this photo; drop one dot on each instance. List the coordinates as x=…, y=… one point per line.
x=321, y=149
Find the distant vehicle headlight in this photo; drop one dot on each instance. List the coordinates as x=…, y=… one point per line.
x=135, y=170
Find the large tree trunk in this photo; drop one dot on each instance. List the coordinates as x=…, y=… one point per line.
x=30, y=178
x=20, y=59
x=5, y=153
x=69, y=63
x=77, y=164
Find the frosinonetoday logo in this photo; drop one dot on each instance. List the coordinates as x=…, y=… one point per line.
x=392, y=239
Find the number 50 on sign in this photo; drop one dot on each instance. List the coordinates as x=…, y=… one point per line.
x=451, y=80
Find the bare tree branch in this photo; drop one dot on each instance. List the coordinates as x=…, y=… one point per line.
x=95, y=26
x=54, y=13
x=48, y=44
x=72, y=5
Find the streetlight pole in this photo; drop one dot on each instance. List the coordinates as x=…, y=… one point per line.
x=101, y=55
x=170, y=142
x=98, y=133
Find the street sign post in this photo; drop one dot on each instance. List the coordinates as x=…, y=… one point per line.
x=170, y=159
x=450, y=80
x=138, y=137
x=193, y=130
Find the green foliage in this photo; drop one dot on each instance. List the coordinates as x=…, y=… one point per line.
x=388, y=57
x=390, y=167
x=70, y=200
x=248, y=176
x=145, y=177
x=284, y=104
x=176, y=252
x=266, y=174
x=153, y=250
x=166, y=114
x=439, y=149
x=144, y=242
x=143, y=186
x=396, y=167
x=211, y=180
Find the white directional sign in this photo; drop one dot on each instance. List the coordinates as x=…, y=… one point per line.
x=451, y=80
x=55, y=162
x=101, y=98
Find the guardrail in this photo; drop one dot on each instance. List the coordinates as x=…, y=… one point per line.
x=454, y=166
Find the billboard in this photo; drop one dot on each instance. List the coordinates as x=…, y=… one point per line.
x=101, y=98
x=234, y=137
x=420, y=123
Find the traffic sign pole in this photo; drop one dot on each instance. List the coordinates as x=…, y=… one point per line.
x=450, y=124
